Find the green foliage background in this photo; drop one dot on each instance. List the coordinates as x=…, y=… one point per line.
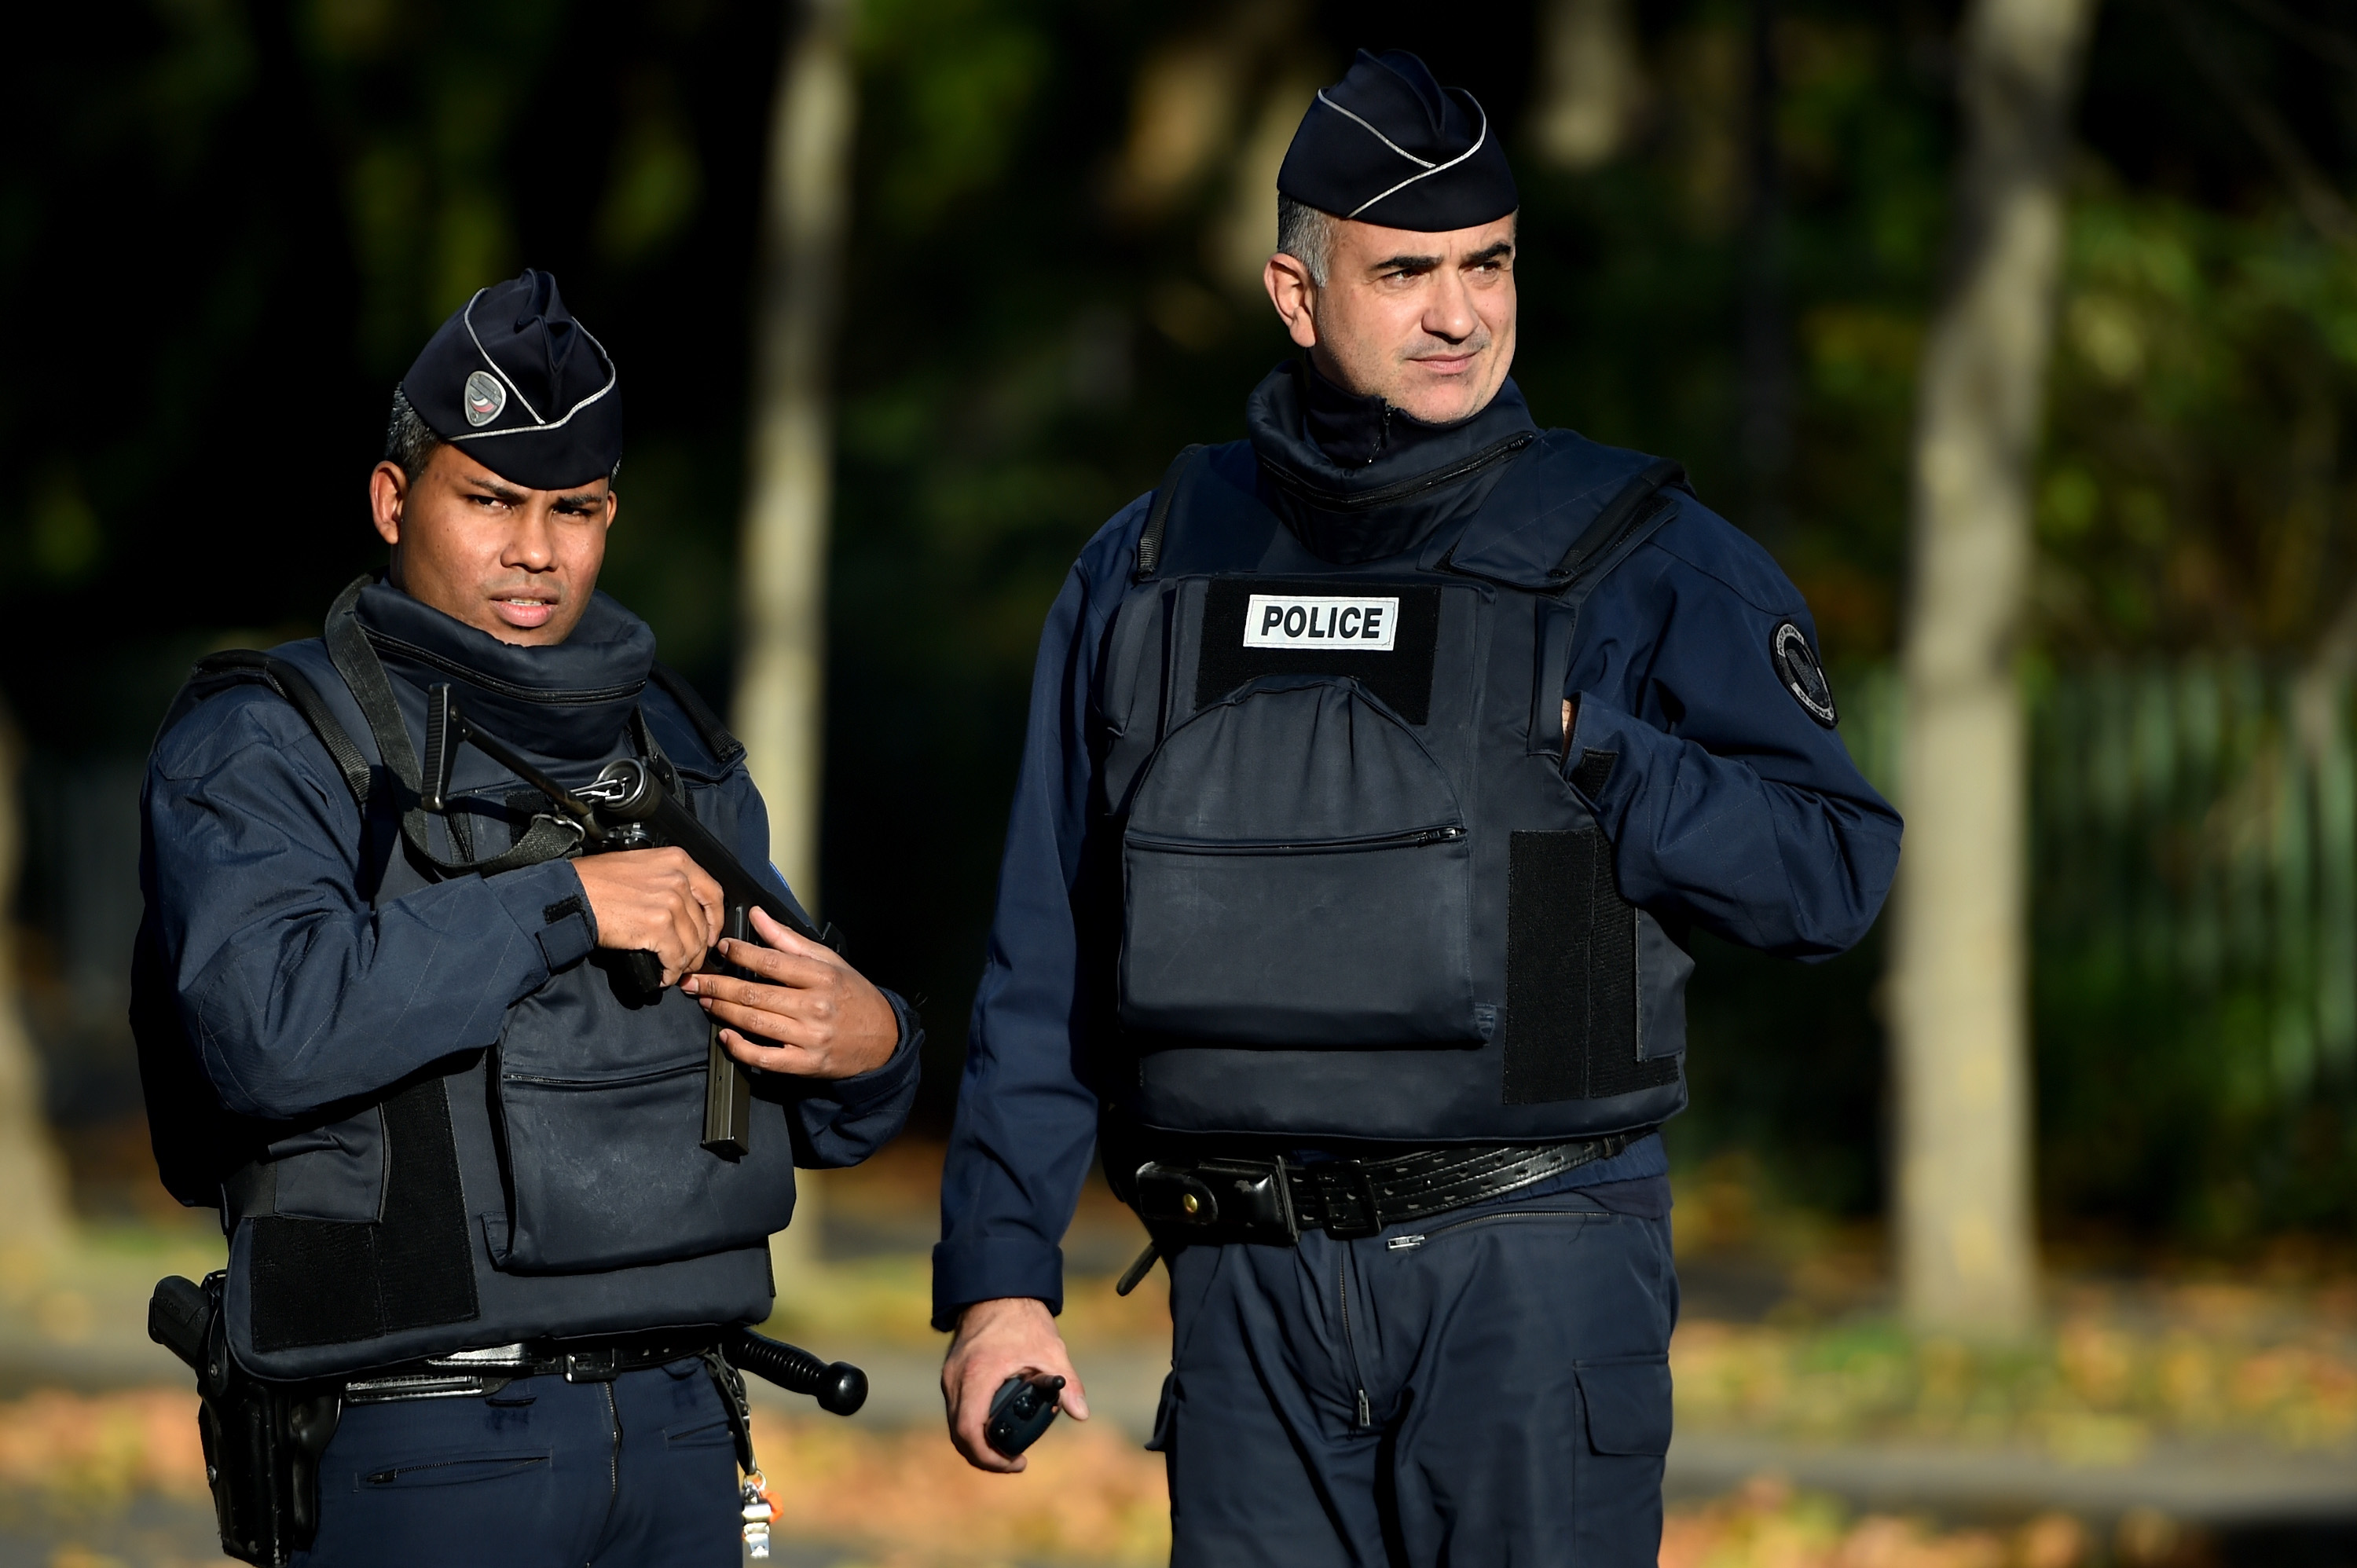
x=226, y=224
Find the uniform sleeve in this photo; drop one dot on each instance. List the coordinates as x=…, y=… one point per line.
x=1025, y=1123
x=295, y=991
x=1727, y=804
x=836, y=1122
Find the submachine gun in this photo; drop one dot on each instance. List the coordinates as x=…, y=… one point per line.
x=262, y=1440
x=626, y=807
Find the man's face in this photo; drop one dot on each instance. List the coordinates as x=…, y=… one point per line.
x=519, y=563
x=1424, y=321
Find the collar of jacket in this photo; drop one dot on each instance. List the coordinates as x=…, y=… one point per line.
x=568, y=701
x=1371, y=511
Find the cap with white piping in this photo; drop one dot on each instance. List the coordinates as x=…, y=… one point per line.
x=516, y=383
x=1388, y=145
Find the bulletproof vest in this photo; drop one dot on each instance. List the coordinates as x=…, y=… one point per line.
x=553, y=1186
x=1357, y=895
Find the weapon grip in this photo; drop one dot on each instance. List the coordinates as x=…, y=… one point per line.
x=180, y=1320
x=644, y=972
x=839, y=1387
x=727, y=1088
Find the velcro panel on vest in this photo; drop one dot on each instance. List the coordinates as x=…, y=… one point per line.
x=1571, y=974
x=324, y=1281
x=1299, y=632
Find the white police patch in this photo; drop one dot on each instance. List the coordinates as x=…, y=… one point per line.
x=1797, y=667
x=486, y=396
x=1366, y=626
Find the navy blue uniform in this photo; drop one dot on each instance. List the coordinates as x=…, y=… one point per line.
x=544, y=1474
x=298, y=993
x=1489, y=1385
x=316, y=967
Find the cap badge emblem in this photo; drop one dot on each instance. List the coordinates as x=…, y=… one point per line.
x=486, y=396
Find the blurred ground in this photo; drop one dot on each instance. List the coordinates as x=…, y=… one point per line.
x=2175, y=1416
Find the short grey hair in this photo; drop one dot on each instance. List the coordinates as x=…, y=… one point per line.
x=1306, y=234
x=410, y=442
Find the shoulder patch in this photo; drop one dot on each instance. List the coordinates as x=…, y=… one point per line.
x=1797, y=668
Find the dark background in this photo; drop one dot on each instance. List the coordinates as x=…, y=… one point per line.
x=226, y=225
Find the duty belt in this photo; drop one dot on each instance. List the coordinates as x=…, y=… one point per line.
x=1275, y=1198
x=467, y=1374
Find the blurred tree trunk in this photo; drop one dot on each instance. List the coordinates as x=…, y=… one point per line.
x=781, y=683
x=33, y=1218
x=1968, y=1252
x=1591, y=87
x=1767, y=339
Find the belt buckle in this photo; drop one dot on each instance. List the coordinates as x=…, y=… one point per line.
x=599, y=1366
x=1260, y=1198
x=1341, y=1178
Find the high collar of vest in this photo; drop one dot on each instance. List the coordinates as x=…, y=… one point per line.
x=571, y=700
x=1407, y=476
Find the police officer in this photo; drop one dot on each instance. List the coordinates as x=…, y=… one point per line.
x=1380, y=764
x=447, y=1103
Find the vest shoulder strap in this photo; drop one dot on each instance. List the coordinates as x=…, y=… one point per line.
x=1626, y=519
x=1157, y=516
x=215, y=672
x=1565, y=514
x=726, y=747
x=363, y=674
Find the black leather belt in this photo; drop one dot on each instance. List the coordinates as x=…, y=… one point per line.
x=469, y=1374
x=1275, y=1198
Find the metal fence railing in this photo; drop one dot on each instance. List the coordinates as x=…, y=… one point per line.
x=2193, y=864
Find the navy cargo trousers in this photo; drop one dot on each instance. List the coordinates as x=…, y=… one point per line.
x=636, y=1473
x=1489, y=1386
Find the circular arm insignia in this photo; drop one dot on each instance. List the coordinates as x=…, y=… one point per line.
x=1797, y=668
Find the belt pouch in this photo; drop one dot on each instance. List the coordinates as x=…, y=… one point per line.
x=1217, y=1200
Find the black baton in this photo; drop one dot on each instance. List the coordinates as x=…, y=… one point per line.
x=839, y=1387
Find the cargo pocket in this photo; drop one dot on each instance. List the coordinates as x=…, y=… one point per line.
x=600, y=1123
x=1628, y=1405
x=1617, y=1501
x=1297, y=872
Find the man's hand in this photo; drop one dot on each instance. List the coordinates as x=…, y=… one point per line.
x=654, y=899
x=997, y=1341
x=821, y=1019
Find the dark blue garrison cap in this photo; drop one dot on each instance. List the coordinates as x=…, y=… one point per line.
x=516, y=383
x=1388, y=145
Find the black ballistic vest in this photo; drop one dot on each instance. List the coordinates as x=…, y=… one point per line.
x=552, y=1187
x=1357, y=896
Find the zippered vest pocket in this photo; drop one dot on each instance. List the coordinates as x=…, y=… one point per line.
x=1297, y=872
x=599, y=1111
